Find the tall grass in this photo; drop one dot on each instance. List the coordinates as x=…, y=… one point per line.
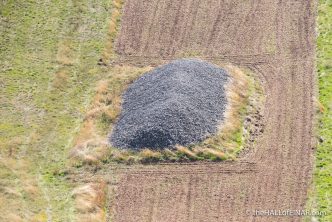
x=90, y=201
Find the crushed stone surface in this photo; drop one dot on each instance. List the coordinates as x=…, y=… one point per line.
x=182, y=103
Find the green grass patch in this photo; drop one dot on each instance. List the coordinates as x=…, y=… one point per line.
x=323, y=166
x=48, y=62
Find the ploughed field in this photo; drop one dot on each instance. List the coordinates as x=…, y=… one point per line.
x=273, y=38
x=211, y=28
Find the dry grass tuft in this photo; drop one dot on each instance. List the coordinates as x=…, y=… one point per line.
x=11, y=148
x=148, y=155
x=90, y=201
x=31, y=189
x=86, y=133
x=64, y=55
x=60, y=79
x=122, y=156
x=214, y=153
x=102, y=87
x=237, y=95
x=90, y=152
x=16, y=183
x=186, y=151
x=318, y=105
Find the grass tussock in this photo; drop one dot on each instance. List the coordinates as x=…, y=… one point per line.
x=89, y=152
x=90, y=201
x=64, y=55
x=106, y=106
x=60, y=79
x=16, y=184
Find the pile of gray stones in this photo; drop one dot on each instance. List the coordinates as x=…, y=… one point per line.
x=182, y=102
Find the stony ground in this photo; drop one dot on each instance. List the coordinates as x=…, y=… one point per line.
x=180, y=103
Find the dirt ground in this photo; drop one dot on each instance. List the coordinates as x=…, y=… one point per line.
x=276, y=39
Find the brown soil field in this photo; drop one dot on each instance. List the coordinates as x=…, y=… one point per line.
x=211, y=28
x=275, y=39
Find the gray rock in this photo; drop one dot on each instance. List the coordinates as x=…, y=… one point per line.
x=182, y=102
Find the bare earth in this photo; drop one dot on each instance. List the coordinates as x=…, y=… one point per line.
x=276, y=39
